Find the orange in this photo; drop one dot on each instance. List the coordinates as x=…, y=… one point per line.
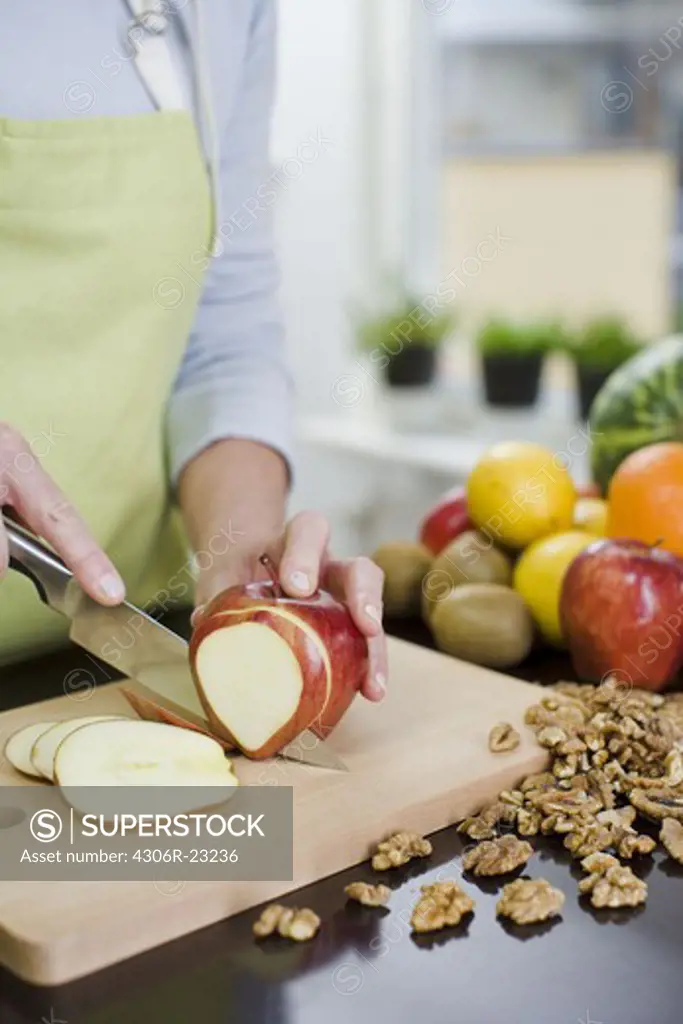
x=645, y=497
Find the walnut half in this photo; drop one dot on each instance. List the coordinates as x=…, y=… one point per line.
x=289, y=922
x=526, y=902
x=368, y=895
x=610, y=883
x=497, y=856
x=442, y=905
x=399, y=849
x=658, y=803
x=671, y=836
x=503, y=738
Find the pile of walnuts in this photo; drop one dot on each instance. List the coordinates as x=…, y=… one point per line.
x=615, y=756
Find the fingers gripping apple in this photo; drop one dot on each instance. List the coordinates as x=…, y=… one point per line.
x=267, y=666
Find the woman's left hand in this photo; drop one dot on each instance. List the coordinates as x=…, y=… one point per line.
x=304, y=564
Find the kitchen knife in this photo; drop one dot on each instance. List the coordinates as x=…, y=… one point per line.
x=131, y=641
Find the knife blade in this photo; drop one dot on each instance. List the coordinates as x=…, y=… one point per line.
x=131, y=641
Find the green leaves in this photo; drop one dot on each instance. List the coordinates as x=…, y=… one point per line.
x=501, y=336
x=604, y=344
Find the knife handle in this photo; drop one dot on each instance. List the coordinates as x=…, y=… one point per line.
x=46, y=571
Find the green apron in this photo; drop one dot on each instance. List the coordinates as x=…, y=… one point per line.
x=98, y=219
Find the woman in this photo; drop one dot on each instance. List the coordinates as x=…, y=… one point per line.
x=143, y=383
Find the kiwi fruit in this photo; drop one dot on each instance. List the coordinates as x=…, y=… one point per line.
x=404, y=565
x=470, y=558
x=486, y=623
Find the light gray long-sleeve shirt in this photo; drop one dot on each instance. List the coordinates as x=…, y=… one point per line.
x=72, y=59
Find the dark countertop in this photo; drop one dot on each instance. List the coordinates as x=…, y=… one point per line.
x=607, y=967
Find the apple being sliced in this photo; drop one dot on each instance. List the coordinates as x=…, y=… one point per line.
x=268, y=666
x=123, y=752
x=19, y=746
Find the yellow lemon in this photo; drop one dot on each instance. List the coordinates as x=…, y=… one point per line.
x=520, y=491
x=539, y=575
x=591, y=514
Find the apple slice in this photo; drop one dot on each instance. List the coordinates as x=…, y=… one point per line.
x=19, y=746
x=126, y=753
x=45, y=747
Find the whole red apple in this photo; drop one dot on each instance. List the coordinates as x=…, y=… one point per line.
x=588, y=491
x=445, y=521
x=621, y=609
x=267, y=666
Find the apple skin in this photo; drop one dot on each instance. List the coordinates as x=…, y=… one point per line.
x=621, y=609
x=321, y=707
x=445, y=521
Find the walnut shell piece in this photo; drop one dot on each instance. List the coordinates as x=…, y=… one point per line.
x=671, y=837
x=368, y=895
x=497, y=856
x=527, y=901
x=289, y=922
x=442, y=905
x=400, y=848
x=503, y=738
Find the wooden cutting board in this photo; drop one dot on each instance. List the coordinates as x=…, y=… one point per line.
x=419, y=760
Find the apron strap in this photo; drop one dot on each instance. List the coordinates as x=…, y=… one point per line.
x=152, y=55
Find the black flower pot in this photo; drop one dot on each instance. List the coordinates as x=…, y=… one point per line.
x=414, y=366
x=589, y=381
x=512, y=381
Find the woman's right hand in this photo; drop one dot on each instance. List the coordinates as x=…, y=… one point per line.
x=28, y=490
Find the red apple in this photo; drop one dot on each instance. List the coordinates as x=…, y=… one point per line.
x=588, y=491
x=445, y=521
x=621, y=609
x=267, y=666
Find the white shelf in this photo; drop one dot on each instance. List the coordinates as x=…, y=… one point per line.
x=533, y=21
x=451, y=453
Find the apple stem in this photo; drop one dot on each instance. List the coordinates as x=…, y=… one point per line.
x=270, y=567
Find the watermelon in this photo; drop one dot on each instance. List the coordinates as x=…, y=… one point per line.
x=639, y=404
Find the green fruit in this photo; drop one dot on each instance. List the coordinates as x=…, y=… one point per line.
x=485, y=623
x=404, y=565
x=641, y=403
x=470, y=558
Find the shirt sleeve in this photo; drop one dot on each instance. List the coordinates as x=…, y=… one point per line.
x=233, y=381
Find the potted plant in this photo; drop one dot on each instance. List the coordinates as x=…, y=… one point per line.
x=603, y=345
x=512, y=357
x=403, y=341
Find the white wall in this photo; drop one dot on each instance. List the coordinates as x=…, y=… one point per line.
x=346, y=69
x=318, y=216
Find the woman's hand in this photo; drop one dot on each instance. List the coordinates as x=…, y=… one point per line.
x=304, y=564
x=27, y=491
